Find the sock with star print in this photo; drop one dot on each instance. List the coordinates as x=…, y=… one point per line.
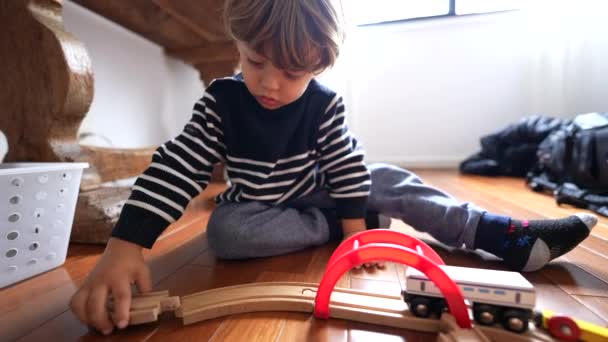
x=529, y=245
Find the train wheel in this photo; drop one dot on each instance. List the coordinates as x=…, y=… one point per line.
x=420, y=307
x=563, y=327
x=438, y=306
x=485, y=314
x=515, y=320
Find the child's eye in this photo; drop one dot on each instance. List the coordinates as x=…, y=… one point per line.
x=293, y=76
x=254, y=63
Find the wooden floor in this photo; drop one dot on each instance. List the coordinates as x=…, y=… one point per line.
x=37, y=309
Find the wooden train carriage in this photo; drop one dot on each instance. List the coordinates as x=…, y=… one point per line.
x=495, y=296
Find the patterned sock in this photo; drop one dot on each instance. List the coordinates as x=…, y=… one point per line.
x=529, y=245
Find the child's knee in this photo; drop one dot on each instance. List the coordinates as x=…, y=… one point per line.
x=223, y=243
x=222, y=235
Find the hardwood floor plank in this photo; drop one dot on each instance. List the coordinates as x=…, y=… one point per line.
x=174, y=330
x=597, y=244
x=294, y=262
x=258, y=326
x=318, y=263
x=66, y=327
x=61, y=328
x=30, y=315
x=186, y=249
x=361, y=332
x=589, y=261
x=574, y=280
x=15, y=295
x=301, y=327
x=181, y=262
x=191, y=279
x=599, y=305
x=551, y=297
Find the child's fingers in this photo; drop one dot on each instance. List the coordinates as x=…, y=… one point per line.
x=96, y=310
x=379, y=264
x=143, y=280
x=121, y=295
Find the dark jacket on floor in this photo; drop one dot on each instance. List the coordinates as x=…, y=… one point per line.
x=512, y=151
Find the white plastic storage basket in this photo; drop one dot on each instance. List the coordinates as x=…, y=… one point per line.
x=37, y=207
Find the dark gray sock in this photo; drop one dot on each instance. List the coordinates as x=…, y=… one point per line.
x=530, y=245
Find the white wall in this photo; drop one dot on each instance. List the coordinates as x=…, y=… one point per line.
x=422, y=93
x=142, y=97
x=419, y=93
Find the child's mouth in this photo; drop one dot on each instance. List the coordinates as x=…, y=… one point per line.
x=268, y=102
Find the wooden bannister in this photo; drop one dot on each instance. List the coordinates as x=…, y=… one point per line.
x=47, y=84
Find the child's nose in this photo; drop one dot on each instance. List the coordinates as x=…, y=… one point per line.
x=270, y=80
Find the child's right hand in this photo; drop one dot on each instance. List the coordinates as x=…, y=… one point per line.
x=121, y=265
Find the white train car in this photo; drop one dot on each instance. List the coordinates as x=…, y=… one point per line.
x=495, y=296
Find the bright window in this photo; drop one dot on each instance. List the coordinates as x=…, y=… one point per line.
x=485, y=6
x=365, y=12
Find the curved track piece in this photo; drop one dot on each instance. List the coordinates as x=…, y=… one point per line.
x=360, y=306
x=385, y=236
x=391, y=252
x=299, y=297
x=245, y=298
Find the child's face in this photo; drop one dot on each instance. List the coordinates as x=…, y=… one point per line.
x=272, y=87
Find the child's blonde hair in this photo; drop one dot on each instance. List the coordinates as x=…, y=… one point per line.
x=300, y=35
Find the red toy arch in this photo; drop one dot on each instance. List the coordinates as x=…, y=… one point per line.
x=343, y=261
x=385, y=236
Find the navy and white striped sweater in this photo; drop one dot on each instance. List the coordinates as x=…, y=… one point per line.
x=271, y=156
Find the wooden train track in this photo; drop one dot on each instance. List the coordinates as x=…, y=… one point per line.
x=346, y=304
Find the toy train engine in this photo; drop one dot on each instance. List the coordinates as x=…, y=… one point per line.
x=495, y=296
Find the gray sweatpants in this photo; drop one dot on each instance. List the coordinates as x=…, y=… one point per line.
x=255, y=229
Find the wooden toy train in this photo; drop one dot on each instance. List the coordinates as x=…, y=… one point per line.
x=494, y=296
x=497, y=298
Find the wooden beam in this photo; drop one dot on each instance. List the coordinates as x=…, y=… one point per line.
x=190, y=30
x=146, y=19
x=213, y=52
x=203, y=17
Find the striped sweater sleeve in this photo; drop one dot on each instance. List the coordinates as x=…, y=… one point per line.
x=341, y=161
x=180, y=169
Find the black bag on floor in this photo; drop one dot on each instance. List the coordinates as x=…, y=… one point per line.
x=573, y=163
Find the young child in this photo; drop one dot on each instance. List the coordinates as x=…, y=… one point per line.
x=297, y=175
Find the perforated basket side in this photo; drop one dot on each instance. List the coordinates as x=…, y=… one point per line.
x=36, y=218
